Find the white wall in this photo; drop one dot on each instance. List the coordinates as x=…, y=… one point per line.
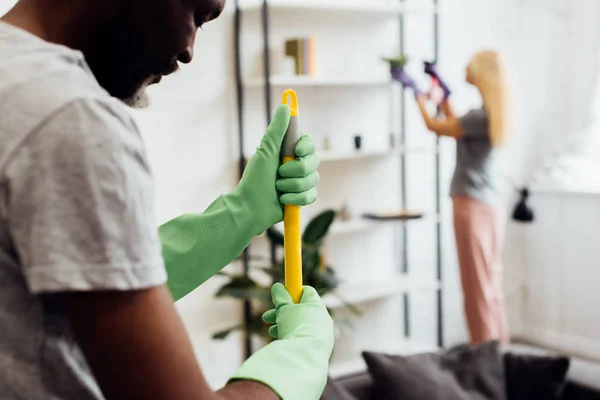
x=553, y=261
x=558, y=274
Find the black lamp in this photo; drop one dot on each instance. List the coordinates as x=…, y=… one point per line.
x=523, y=212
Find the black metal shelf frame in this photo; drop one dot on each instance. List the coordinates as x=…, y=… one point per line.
x=247, y=309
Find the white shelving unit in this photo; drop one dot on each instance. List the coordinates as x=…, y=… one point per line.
x=362, y=224
x=328, y=156
x=381, y=283
x=344, y=227
x=332, y=156
x=363, y=292
x=296, y=81
x=388, y=9
x=355, y=225
x=351, y=226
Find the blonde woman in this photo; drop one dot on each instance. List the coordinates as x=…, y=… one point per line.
x=478, y=223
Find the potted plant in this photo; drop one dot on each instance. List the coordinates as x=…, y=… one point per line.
x=316, y=273
x=398, y=61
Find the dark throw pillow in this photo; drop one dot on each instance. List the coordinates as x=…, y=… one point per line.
x=535, y=377
x=336, y=391
x=463, y=373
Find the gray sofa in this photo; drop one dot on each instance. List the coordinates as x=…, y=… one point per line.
x=583, y=378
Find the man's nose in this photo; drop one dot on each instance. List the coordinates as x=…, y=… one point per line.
x=187, y=55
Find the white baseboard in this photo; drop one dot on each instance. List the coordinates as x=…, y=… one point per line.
x=569, y=344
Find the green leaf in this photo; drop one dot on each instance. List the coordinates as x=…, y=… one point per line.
x=239, y=282
x=311, y=261
x=318, y=227
x=244, y=288
x=326, y=279
x=276, y=272
x=275, y=236
x=224, y=333
x=331, y=312
x=399, y=61
x=252, y=257
x=351, y=307
x=345, y=323
x=258, y=327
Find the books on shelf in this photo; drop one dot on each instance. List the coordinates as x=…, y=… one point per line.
x=302, y=50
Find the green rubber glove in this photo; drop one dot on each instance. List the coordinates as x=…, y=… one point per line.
x=295, y=365
x=197, y=246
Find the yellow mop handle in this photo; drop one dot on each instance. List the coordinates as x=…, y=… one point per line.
x=292, y=245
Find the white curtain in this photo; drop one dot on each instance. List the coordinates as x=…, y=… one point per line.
x=574, y=163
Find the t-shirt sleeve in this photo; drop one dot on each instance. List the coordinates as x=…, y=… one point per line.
x=475, y=124
x=80, y=203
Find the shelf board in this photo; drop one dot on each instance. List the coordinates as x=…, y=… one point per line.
x=355, y=225
x=419, y=149
x=378, y=8
x=362, y=224
x=329, y=156
x=364, y=292
x=307, y=81
x=355, y=365
x=332, y=156
x=344, y=227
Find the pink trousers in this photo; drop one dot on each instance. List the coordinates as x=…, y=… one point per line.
x=479, y=232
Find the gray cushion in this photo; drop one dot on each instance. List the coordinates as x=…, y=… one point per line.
x=534, y=376
x=360, y=385
x=336, y=391
x=466, y=372
x=582, y=372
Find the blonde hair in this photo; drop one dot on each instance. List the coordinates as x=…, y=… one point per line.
x=491, y=76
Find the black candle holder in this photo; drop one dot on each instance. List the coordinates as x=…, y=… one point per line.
x=357, y=142
x=522, y=211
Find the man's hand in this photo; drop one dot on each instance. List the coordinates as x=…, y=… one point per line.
x=266, y=184
x=296, y=365
x=449, y=126
x=197, y=246
x=309, y=317
x=138, y=348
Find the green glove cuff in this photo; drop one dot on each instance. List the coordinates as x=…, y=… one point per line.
x=291, y=368
x=197, y=246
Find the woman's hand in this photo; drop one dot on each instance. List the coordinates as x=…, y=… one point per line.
x=447, y=109
x=448, y=126
x=421, y=100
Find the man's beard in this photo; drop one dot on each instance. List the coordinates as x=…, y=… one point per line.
x=139, y=99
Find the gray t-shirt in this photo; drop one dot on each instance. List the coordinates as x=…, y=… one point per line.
x=76, y=212
x=475, y=174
